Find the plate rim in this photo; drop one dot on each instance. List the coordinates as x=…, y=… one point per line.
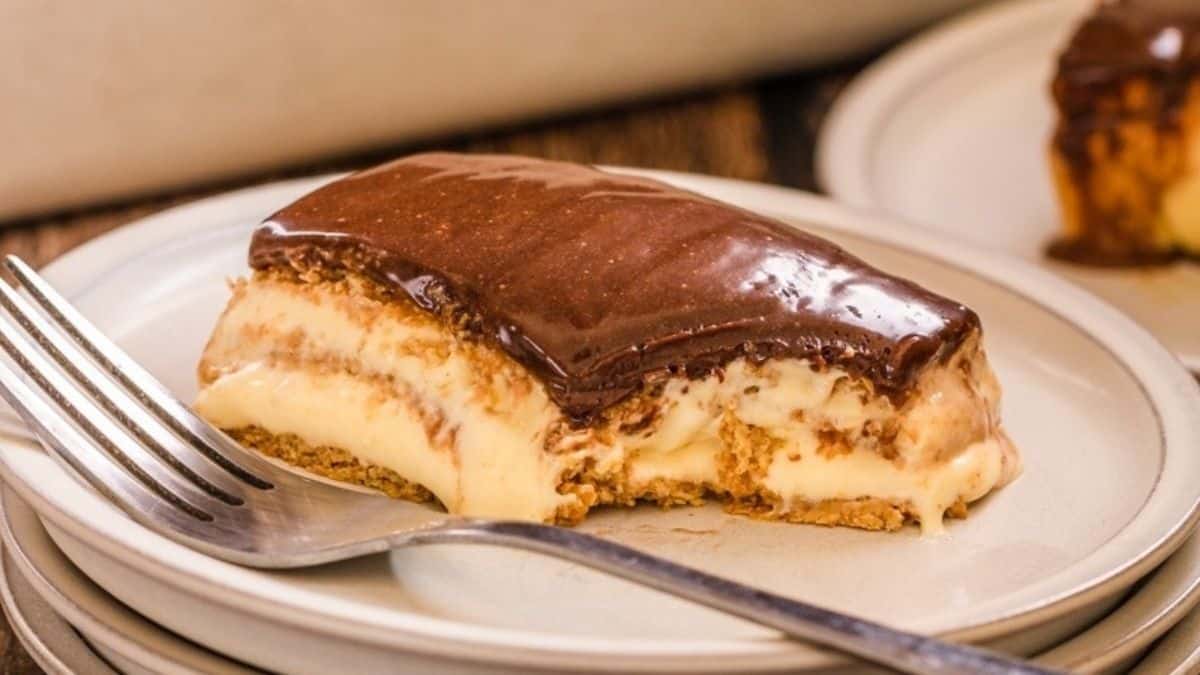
x=1177, y=653
x=1085, y=651
x=162, y=227
x=80, y=615
x=845, y=140
x=45, y=640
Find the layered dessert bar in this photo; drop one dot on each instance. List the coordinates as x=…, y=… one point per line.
x=517, y=338
x=1125, y=154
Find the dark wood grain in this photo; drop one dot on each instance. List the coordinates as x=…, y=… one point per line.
x=762, y=131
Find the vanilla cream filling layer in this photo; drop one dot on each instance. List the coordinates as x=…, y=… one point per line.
x=491, y=471
x=393, y=387
x=1181, y=200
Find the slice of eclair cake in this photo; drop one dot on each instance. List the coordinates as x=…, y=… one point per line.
x=518, y=338
x=1125, y=153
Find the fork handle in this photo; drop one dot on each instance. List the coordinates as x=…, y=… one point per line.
x=873, y=642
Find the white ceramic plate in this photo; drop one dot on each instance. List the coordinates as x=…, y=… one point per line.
x=125, y=639
x=1111, y=644
x=1104, y=414
x=950, y=130
x=50, y=641
x=1178, y=653
x=1158, y=604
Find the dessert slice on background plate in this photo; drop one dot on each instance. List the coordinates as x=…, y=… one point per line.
x=950, y=131
x=1126, y=150
x=518, y=338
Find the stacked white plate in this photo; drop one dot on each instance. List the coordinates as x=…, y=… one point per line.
x=1082, y=563
x=1104, y=414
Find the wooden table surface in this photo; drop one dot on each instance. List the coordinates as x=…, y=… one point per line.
x=760, y=131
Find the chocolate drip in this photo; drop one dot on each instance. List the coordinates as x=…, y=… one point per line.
x=595, y=281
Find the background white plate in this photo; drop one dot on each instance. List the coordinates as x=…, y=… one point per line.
x=1104, y=415
x=950, y=130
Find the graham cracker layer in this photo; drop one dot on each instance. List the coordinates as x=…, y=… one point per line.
x=330, y=462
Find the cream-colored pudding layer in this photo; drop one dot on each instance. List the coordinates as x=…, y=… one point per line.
x=397, y=389
x=1181, y=200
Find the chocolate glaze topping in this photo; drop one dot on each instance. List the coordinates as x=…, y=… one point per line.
x=596, y=281
x=1157, y=39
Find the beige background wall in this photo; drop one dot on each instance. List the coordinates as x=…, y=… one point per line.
x=103, y=100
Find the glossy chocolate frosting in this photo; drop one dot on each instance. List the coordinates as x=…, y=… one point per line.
x=1155, y=39
x=595, y=281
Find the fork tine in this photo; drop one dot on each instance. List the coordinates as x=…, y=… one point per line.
x=57, y=434
x=97, y=426
x=130, y=415
x=141, y=384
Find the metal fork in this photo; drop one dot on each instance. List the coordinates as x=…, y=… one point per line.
x=123, y=433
